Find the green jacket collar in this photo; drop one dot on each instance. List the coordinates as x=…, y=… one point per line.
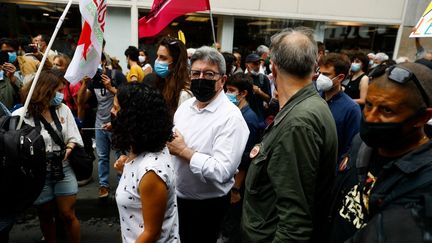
x=302, y=94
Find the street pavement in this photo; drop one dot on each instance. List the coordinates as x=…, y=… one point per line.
x=98, y=218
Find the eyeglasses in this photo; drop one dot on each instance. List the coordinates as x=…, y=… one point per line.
x=401, y=75
x=195, y=74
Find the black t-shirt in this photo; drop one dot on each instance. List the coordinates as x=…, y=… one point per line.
x=255, y=101
x=352, y=88
x=350, y=198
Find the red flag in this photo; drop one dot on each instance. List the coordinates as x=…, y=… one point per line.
x=165, y=11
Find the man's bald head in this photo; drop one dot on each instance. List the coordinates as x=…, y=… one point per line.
x=294, y=51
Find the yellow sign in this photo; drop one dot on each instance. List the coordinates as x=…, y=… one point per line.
x=181, y=37
x=424, y=25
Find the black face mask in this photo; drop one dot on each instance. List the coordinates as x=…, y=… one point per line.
x=203, y=89
x=385, y=134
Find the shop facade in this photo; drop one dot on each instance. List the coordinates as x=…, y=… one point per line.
x=241, y=25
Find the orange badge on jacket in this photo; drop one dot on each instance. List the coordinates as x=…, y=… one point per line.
x=254, y=152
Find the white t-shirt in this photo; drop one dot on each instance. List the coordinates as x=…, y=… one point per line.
x=147, y=66
x=129, y=200
x=70, y=132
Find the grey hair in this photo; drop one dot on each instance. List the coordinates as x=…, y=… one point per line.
x=210, y=55
x=294, y=51
x=262, y=49
x=191, y=51
x=381, y=56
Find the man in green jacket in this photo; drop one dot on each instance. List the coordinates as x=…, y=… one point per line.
x=293, y=167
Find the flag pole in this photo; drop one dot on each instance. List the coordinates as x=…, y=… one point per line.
x=42, y=63
x=212, y=25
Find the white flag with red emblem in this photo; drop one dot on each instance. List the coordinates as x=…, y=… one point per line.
x=89, y=49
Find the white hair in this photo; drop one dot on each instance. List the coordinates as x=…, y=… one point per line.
x=381, y=56
x=190, y=51
x=262, y=49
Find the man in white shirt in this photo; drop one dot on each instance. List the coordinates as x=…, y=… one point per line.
x=209, y=139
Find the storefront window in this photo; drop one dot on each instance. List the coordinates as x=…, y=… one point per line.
x=249, y=33
x=25, y=21
x=363, y=37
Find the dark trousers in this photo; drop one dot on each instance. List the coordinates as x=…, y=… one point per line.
x=6, y=224
x=200, y=220
x=231, y=224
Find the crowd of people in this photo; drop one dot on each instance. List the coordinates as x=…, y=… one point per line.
x=297, y=145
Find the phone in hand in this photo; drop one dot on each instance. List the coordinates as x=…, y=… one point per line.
x=4, y=57
x=31, y=48
x=97, y=80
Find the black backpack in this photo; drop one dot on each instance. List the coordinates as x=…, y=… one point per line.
x=22, y=165
x=406, y=209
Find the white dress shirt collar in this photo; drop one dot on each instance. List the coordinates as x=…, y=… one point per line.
x=212, y=106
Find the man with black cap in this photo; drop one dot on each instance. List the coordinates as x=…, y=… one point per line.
x=384, y=183
x=261, y=87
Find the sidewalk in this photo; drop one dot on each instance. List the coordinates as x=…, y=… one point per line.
x=98, y=218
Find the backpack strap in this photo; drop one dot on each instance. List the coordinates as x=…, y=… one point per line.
x=362, y=162
x=407, y=186
x=37, y=124
x=52, y=133
x=261, y=79
x=427, y=198
x=55, y=118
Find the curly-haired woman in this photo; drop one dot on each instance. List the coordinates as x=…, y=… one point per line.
x=171, y=73
x=61, y=186
x=145, y=196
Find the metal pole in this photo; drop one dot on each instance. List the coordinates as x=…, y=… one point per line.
x=42, y=63
x=400, y=32
x=212, y=25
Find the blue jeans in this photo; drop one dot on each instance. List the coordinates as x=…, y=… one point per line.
x=103, y=150
x=52, y=189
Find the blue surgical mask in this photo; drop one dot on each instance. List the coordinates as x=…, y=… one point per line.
x=233, y=98
x=57, y=100
x=355, y=67
x=1, y=74
x=371, y=62
x=12, y=56
x=374, y=65
x=161, y=69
